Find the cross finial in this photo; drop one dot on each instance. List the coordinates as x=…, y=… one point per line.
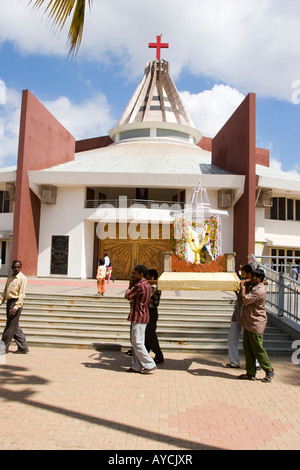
x=158, y=45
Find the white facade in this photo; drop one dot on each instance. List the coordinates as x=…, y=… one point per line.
x=154, y=147
x=277, y=232
x=69, y=216
x=7, y=182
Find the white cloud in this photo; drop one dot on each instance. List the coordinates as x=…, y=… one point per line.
x=252, y=46
x=211, y=109
x=2, y=92
x=91, y=118
x=9, y=125
x=26, y=29
x=277, y=165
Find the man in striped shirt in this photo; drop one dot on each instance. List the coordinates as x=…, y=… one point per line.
x=139, y=296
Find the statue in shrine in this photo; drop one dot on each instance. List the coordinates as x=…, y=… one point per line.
x=199, y=243
x=197, y=230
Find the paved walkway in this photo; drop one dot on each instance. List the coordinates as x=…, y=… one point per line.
x=117, y=288
x=83, y=399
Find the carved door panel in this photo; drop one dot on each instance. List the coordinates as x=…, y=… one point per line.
x=125, y=254
x=150, y=253
x=121, y=255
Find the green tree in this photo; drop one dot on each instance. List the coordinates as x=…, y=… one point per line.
x=59, y=10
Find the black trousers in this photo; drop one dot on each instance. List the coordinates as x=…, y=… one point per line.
x=12, y=329
x=151, y=341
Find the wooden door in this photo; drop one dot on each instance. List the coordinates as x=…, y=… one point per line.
x=125, y=254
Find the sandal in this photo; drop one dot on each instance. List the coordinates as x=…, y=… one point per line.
x=132, y=370
x=269, y=376
x=230, y=366
x=147, y=371
x=246, y=377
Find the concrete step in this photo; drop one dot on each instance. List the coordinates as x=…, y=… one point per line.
x=122, y=344
x=196, y=328
x=92, y=322
x=116, y=317
x=124, y=307
x=122, y=338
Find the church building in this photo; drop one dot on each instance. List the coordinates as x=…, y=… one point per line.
x=68, y=202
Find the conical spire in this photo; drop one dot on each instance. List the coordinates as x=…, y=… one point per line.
x=155, y=108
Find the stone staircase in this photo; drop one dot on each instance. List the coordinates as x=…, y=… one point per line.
x=84, y=321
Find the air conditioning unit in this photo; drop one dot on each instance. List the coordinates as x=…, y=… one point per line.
x=10, y=190
x=264, y=198
x=48, y=194
x=225, y=198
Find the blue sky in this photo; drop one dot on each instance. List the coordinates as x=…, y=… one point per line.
x=219, y=51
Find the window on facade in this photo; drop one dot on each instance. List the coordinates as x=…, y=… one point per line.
x=4, y=201
x=281, y=208
x=274, y=208
x=290, y=209
x=280, y=260
x=3, y=252
x=297, y=256
x=135, y=133
x=289, y=253
x=298, y=209
x=141, y=193
x=274, y=261
x=170, y=133
x=283, y=259
x=285, y=209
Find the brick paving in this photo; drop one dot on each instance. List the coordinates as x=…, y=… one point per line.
x=83, y=399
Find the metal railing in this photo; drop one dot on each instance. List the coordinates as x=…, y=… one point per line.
x=283, y=292
x=280, y=263
x=124, y=202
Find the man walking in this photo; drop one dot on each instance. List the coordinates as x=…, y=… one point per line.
x=13, y=294
x=254, y=321
x=151, y=340
x=139, y=295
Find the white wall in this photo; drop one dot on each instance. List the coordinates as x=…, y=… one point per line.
x=283, y=227
x=6, y=227
x=6, y=221
x=264, y=226
x=88, y=250
x=66, y=217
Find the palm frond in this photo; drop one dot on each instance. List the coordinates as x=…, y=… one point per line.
x=76, y=28
x=59, y=11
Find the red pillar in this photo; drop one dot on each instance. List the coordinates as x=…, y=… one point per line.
x=234, y=150
x=43, y=142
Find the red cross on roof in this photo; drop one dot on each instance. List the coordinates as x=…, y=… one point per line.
x=158, y=45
